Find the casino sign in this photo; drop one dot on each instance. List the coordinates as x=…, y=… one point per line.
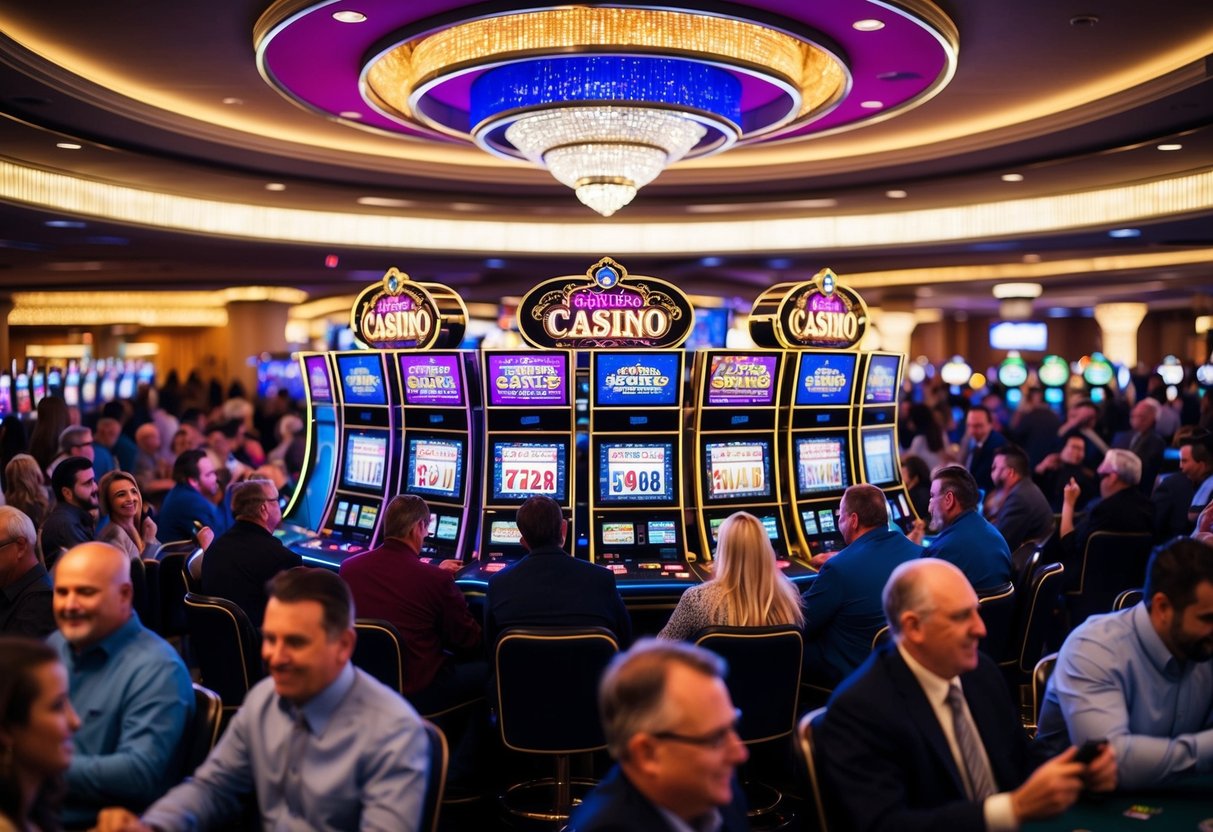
x=605, y=308
x=819, y=313
x=397, y=313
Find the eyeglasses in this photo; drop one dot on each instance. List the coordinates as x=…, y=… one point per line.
x=83, y=444
x=714, y=740
x=9, y=542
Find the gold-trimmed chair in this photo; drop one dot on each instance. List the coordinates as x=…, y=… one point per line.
x=804, y=743
x=225, y=645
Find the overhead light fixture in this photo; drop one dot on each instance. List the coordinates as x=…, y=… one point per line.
x=1171, y=146
x=1015, y=300
x=275, y=186
x=1017, y=290
x=896, y=194
x=1124, y=233
x=1012, y=177
x=868, y=25
x=349, y=16
x=68, y=146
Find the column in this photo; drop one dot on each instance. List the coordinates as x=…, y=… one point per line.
x=1119, y=323
x=253, y=327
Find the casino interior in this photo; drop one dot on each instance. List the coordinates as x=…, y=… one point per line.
x=659, y=262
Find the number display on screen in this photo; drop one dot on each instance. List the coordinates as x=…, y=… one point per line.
x=636, y=471
x=435, y=467
x=522, y=470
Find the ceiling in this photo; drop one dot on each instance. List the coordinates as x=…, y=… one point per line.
x=170, y=109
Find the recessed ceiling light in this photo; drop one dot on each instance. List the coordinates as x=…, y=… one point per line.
x=464, y=206
x=711, y=262
x=896, y=194
x=232, y=101
x=780, y=263
x=385, y=202
x=65, y=224
x=68, y=146
x=871, y=105
x=1031, y=258
x=350, y=114
x=1012, y=177
x=275, y=186
x=1124, y=233
x=1171, y=146
x=494, y=263
x=349, y=17
x=868, y=25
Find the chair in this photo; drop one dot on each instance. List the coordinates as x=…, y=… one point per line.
x=379, y=653
x=203, y=732
x=172, y=593
x=764, y=683
x=882, y=636
x=1126, y=599
x=141, y=600
x=1036, y=626
x=435, y=783
x=1024, y=561
x=1040, y=680
x=1111, y=562
x=226, y=646
x=998, y=607
x=804, y=736
x=547, y=703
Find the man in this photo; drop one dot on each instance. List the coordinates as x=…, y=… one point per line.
x=1144, y=441
x=129, y=686
x=109, y=435
x=1056, y=470
x=152, y=473
x=75, y=440
x=670, y=727
x=1121, y=507
x=842, y=606
x=423, y=603
x=323, y=745
x=979, y=443
x=1034, y=426
x=1141, y=678
x=25, y=587
x=1024, y=513
x=965, y=538
x=924, y=735
x=192, y=498
x=548, y=587
x=240, y=561
x=1081, y=419
x=73, y=518
x=1181, y=496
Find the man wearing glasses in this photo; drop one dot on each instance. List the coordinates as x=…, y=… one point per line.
x=671, y=728
x=1121, y=507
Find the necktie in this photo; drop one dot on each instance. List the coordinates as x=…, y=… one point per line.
x=978, y=776
x=292, y=788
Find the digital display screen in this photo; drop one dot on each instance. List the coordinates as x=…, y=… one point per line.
x=637, y=380
x=318, y=379
x=448, y=527
x=1019, y=335
x=275, y=375
x=821, y=464
x=741, y=380
x=38, y=387
x=88, y=389
x=524, y=469
x=365, y=460
x=126, y=386
x=109, y=388
x=825, y=517
x=809, y=518
x=6, y=395
x=737, y=469
x=527, y=379
x=505, y=533
x=881, y=384
x=432, y=380
x=768, y=523
x=355, y=516
x=662, y=532
x=879, y=462
x=21, y=391
x=71, y=389
x=711, y=329
x=634, y=472
x=825, y=379
x=618, y=534
x=361, y=379
x=435, y=466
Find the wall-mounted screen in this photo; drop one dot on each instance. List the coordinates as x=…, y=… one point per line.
x=528, y=379
x=635, y=472
x=880, y=386
x=741, y=380
x=880, y=462
x=318, y=379
x=432, y=380
x=365, y=460
x=435, y=466
x=821, y=464
x=524, y=469
x=637, y=379
x=361, y=379
x=711, y=328
x=1019, y=335
x=825, y=379
x=737, y=470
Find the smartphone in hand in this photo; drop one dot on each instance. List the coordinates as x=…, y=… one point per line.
x=1089, y=750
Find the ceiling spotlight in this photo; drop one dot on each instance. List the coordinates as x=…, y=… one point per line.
x=868, y=25
x=896, y=194
x=65, y=224
x=232, y=101
x=385, y=202
x=1171, y=146
x=350, y=114
x=275, y=186
x=1031, y=258
x=68, y=146
x=871, y=105
x=1124, y=233
x=1017, y=290
x=349, y=17
x=1012, y=177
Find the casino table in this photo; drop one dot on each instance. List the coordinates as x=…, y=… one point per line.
x=1183, y=807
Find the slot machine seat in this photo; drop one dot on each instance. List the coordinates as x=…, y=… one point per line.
x=1126, y=599
x=1037, y=627
x=997, y=607
x=378, y=652
x=1111, y=563
x=226, y=646
x=435, y=781
x=203, y=732
x=1040, y=681
x=172, y=592
x=804, y=737
x=547, y=704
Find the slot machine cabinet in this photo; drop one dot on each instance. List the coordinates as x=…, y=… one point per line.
x=6, y=394
x=1054, y=375
x=304, y=514
x=877, y=448
x=637, y=519
x=71, y=384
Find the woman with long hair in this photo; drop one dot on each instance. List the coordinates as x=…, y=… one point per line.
x=746, y=589
x=25, y=488
x=36, y=726
x=12, y=441
x=929, y=444
x=128, y=528
x=53, y=417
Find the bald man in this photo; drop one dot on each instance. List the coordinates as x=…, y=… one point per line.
x=131, y=689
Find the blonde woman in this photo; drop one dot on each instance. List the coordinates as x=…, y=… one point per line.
x=746, y=590
x=129, y=528
x=25, y=488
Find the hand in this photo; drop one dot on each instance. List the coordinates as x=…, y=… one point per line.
x=1052, y=788
x=1070, y=492
x=818, y=560
x=1050, y=462
x=1101, y=773
x=119, y=820
x=918, y=530
x=148, y=529
x=204, y=536
x=450, y=565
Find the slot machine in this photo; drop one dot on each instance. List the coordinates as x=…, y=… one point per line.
x=21, y=394
x=54, y=381
x=1013, y=375
x=637, y=525
x=305, y=512
x=6, y=394
x=107, y=381
x=738, y=397
x=126, y=380
x=1099, y=375
x=878, y=449
x=529, y=432
x=88, y=388
x=37, y=386
x=1054, y=375
x=71, y=384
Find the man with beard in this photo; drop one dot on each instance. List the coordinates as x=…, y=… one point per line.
x=72, y=519
x=191, y=499
x=1141, y=678
x=965, y=539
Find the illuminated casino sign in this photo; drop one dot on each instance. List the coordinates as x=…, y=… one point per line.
x=606, y=307
x=397, y=313
x=818, y=313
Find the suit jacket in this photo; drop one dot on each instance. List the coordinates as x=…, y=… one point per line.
x=1128, y=510
x=1171, y=500
x=1149, y=447
x=615, y=805
x=238, y=565
x=976, y=548
x=1025, y=515
x=983, y=460
x=885, y=760
x=549, y=588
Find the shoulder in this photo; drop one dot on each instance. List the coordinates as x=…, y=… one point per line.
x=370, y=699
x=616, y=806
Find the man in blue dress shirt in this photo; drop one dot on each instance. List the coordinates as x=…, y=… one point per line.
x=192, y=499
x=842, y=607
x=323, y=745
x=967, y=540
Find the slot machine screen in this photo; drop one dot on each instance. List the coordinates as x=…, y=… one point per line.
x=524, y=469
x=108, y=387
x=147, y=373
x=71, y=387
x=662, y=532
x=637, y=380
x=825, y=379
x=6, y=395
x=635, y=472
x=275, y=375
x=361, y=379
x=88, y=389
x=504, y=533
x=365, y=461
x=355, y=516
x=880, y=463
x=618, y=534
x=318, y=379
x=881, y=384
x=126, y=385
x=821, y=464
x=528, y=379
x=432, y=380
x=447, y=528
x=38, y=386
x=768, y=523
x=741, y=380
x=21, y=393
x=54, y=381
x=737, y=470
x=435, y=466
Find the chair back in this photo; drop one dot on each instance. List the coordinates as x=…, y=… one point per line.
x=203, y=732
x=1111, y=563
x=226, y=646
x=141, y=599
x=804, y=736
x=547, y=687
x=378, y=651
x=763, y=678
x=1037, y=622
x=1040, y=681
x=1126, y=599
x=435, y=782
x=882, y=636
x=172, y=593
x=997, y=607
x=1024, y=561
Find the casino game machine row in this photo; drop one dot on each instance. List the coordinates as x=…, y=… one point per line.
x=878, y=448
x=305, y=513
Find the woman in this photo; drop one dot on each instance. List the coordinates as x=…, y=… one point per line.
x=25, y=488
x=746, y=589
x=53, y=417
x=917, y=478
x=128, y=528
x=36, y=726
x=929, y=443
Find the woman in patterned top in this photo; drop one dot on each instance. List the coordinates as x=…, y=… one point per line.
x=746, y=590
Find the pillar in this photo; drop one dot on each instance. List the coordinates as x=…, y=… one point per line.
x=1119, y=323
x=6, y=306
x=253, y=327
